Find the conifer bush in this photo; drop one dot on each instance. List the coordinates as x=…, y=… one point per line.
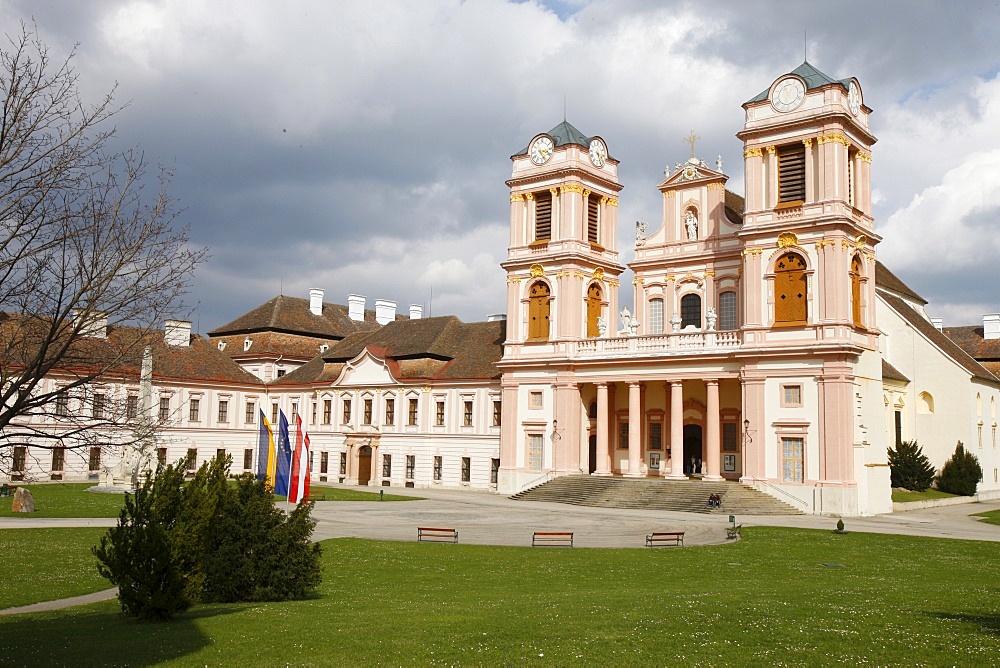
x=961, y=473
x=909, y=467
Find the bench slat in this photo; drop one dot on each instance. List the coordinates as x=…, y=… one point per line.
x=437, y=534
x=665, y=537
x=552, y=538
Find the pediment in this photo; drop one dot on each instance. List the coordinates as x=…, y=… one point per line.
x=691, y=172
x=366, y=369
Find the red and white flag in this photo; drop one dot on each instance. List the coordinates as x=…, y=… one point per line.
x=299, y=484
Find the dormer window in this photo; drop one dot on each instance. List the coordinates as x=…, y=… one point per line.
x=222, y=345
x=323, y=348
x=247, y=342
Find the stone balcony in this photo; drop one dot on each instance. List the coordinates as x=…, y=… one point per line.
x=690, y=342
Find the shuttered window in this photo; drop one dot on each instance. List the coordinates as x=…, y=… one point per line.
x=543, y=216
x=791, y=173
x=538, y=312
x=593, y=310
x=790, y=290
x=592, y=206
x=856, y=292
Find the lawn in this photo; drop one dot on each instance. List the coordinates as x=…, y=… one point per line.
x=789, y=596
x=46, y=564
x=905, y=496
x=991, y=516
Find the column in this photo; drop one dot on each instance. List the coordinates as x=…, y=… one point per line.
x=677, y=431
x=634, y=431
x=712, y=430
x=603, y=460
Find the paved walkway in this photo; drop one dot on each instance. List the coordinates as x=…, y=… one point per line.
x=489, y=519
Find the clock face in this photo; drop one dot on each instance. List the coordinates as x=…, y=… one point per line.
x=598, y=153
x=854, y=98
x=541, y=150
x=788, y=94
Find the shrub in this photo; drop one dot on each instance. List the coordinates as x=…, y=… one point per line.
x=961, y=473
x=909, y=467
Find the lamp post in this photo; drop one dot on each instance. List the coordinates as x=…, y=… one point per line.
x=747, y=440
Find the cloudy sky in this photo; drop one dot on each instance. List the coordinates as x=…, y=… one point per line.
x=362, y=147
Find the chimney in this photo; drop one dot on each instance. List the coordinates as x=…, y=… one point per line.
x=316, y=301
x=991, y=326
x=356, y=307
x=96, y=328
x=177, y=332
x=416, y=311
x=938, y=323
x=385, y=311
x=495, y=317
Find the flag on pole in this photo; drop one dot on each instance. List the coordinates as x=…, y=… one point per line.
x=299, y=490
x=284, y=457
x=265, y=452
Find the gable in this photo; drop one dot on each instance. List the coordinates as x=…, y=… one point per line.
x=366, y=369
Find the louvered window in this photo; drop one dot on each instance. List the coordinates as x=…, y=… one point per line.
x=791, y=173
x=790, y=290
x=543, y=216
x=592, y=207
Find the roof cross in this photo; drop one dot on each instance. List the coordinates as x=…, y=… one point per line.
x=691, y=139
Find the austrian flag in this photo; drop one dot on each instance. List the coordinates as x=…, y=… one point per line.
x=299, y=485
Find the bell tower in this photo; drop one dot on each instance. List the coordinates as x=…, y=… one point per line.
x=562, y=263
x=808, y=232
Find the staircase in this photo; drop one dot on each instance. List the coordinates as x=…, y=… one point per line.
x=689, y=496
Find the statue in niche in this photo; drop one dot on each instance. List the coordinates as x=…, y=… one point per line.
x=691, y=225
x=711, y=316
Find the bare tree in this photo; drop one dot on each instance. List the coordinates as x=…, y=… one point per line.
x=91, y=260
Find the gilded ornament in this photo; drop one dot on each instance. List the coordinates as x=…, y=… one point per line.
x=513, y=280
x=517, y=198
x=671, y=278
x=638, y=281
x=862, y=240
x=787, y=240
x=554, y=191
x=770, y=149
x=807, y=142
x=612, y=201
x=425, y=389
x=586, y=194
x=864, y=156
x=599, y=274
x=536, y=270
x=529, y=196
x=709, y=274
x=845, y=244
x=715, y=186
x=572, y=188
x=753, y=153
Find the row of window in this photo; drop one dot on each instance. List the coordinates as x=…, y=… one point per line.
x=691, y=312
x=437, y=470
x=543, y=216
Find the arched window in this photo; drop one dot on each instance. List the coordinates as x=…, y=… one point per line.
x=790, y=290
x=925, y=403
x=856, y=292
x=727, y=310
x=656, y=316
x=691, y=311
x=538, y=312
x=593, y=310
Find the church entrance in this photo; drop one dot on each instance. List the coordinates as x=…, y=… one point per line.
x=593, y=453
x=692, y=449
x=364, y=464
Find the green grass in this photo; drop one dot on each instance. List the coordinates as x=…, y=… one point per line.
x=992, y=517
x=67, y=499
x=46, y=564
x=787, y=596
x=903, y=496
x=341, y=494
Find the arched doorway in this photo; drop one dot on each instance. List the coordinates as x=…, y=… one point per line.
x=692, y=449
x=364, y=464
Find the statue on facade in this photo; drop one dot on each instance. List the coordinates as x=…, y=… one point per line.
x=711, y=317
x=602, y=326
x=640, y=231
x=675, y=322
x=718, y=163
x=691, y=224
x=626, y=318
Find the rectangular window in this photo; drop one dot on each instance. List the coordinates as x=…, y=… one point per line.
x=62, y=405
x=791, y=459
x=494, y=470
x=792, y=173
x=386, y=466
x=161, y=456
x=164, y=409
x=730, y=437
x=223, y=410
x=497, y=413
x=727, y=311
x=343, y=463
x=656, y=316
x=20, y=460
x=899, y=427
x=655, y=435
x=194, y=410
x=314, y=412
x=274, y=413
x=536, y=443
x=324, y=462
x=251, y=413
x=467, y=413
x=439, y=413
x=791, y=396
x=466, y=469
x=412, y=412
x=58, y=459
x=623, y=435
x=347, y=412
x=295, y=412
x=535, y=400
x=132, y=406
x=411, y=465
x=543, y=216
x=593, y=207
x=220, y=452
x=437, y=468
x=94, y=464
x=248, y=459
x=390, y=411
x=327, y=411
x=367, y=419
x=98, y=406
x=192, y=459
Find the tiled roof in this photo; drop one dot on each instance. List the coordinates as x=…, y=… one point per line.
x=273, y=344
x=562, y=135
x=887, y=280
x=443, y=348
x=813, y=78
x=292, y=315
x=889, y=372
x=931, y=332
x=735, y=205
x=970, y=339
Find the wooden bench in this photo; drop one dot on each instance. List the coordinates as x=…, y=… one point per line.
x=437, y=535
x=552, y=539
x=661, y=538
x=733, y=532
